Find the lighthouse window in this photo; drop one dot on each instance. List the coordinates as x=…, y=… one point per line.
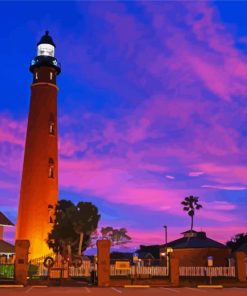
x=51, y=124
x=51, y=172
x=36, y=75
x=51, y=168
x=51, y=75
x=52, y=128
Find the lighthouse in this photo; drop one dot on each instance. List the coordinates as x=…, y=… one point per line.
x=39, y=183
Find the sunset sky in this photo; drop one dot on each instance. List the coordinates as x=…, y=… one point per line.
x=152, y=108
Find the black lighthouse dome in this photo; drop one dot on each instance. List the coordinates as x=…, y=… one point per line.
x=45, y=54
x=46, y=39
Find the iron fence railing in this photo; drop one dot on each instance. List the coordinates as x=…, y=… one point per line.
x=149, y=271
x=207, y=271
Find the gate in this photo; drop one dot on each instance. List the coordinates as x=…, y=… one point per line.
x=59, y=270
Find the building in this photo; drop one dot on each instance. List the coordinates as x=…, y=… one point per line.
x=193, y=249
x=39, y=184
x=7, y=250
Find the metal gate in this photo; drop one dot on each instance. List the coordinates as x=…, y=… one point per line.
x=38, y=269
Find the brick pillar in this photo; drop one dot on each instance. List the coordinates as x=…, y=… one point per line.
x=103, y=268
x=174, y=269
x=240, y=266
x=21, y=261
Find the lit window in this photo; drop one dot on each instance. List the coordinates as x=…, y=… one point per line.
x=51, y=124
x=51, y=172
x=51, y=168
x=51, y=128
x=36, y=75
x=51, y=75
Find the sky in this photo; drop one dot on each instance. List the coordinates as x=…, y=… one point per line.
x=152, y=108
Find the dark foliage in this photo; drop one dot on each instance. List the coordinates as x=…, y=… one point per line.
x=237, y=241
x=65, y=228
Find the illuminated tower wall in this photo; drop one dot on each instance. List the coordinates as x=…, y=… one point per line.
x=39, y=185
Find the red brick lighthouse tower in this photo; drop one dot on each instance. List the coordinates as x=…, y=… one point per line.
x=39, y=185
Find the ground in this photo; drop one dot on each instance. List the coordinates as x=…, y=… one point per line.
x=92, y=291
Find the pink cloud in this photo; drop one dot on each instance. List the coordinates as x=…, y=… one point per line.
x=223, y=234
x=195, y=174
x=224, y=173
x=7, y=185
x=158, y=237
x=12, y=131
x=170, y=177
x=224, y=187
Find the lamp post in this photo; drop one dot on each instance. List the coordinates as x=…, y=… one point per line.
x=165, y=226
x=166, y=254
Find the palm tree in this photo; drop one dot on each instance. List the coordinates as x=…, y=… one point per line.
x=191, y=204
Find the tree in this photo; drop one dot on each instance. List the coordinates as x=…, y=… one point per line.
x=191, y=204
x=84, y=219
x=237, y=241
x=62, y=234
x=116, y=236
x=106, y=232
x=72, y=227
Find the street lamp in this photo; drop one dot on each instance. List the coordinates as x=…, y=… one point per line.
x=165, y=236
x=165, y=249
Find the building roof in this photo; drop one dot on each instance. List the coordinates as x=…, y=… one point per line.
x=6, y=247
x=46, y=39
x=4, y=221
x=198, y=240
x=189, y=231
